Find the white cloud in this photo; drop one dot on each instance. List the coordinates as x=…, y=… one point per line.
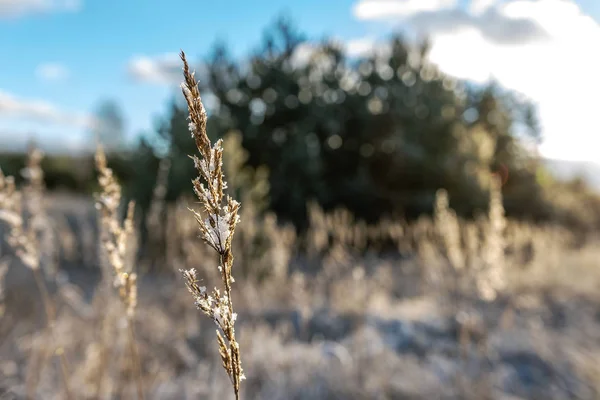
x=559, y=71
x=426, y=16
x=365, y=47
x=494, y=25
x=561, y=74
x=19, y=8
x=386, y=9
x=481, y=6
x=64, y=141
x=360, y=47
x=51, y=72
x=41, y=111
x=162, y=69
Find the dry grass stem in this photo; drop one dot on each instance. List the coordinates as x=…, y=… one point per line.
x=116, y=242
x=20, y=237
x=217, y=223
x=115, y=236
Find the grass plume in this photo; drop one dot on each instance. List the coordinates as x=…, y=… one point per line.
x=217, y=223
x=116, y=241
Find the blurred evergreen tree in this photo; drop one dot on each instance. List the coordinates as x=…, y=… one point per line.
x=377, y=134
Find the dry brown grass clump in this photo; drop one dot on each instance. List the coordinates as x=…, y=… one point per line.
x=217, y=224
x=27, y=227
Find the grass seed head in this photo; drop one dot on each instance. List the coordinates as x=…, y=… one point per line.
x=217, y=222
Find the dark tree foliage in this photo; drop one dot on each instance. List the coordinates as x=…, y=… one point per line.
x=378, y=135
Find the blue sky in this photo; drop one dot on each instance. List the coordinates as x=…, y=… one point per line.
x=95, y=43
x=61, y=57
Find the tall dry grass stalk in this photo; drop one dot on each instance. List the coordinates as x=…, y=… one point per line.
x=448, y=229
x=217, y=224
x=157, y=205
x=3, y=271
x=116, y=237
x=492, y=280
x=157, y=230
x=24, y=235
x=34, y=196
x=20, y=237
x=116, y=241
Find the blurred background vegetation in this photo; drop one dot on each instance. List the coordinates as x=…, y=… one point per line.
x=376, y=135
